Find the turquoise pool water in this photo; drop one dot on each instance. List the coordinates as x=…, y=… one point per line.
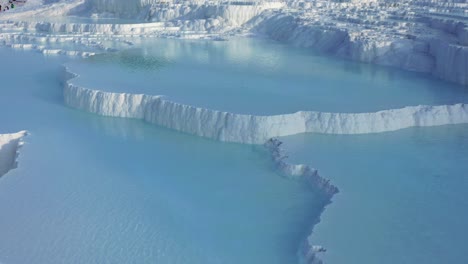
x=256, y=76
x=91, y=189
x=402, y=194
x=100, y=190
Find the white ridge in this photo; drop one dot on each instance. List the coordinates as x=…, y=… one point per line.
x=252, y=129
x=9, y=150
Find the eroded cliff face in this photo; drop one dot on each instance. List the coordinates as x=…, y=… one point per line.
x=422, y=36
x=9, y=150
x=415, y=35
x=252, y=129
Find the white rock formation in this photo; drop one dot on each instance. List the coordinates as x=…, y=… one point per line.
x=308, y=252
x=417, y=35
x=236, y=12
x=9, y=150
x=252, y=129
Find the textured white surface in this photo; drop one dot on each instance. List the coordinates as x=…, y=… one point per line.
x=252, y=129
x=9, y=146
x=405, y=37
x=308, y=251
x=416, y=35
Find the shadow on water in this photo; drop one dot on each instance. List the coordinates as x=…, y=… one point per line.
x=133, y=60
x=53, y=79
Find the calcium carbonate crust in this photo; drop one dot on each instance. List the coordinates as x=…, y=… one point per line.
x=430, y=45
x=253, y=129
x=416, y=35
x=308, y=251
x=10, y=145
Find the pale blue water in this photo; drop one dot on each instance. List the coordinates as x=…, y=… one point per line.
x=259, y=77
x=402, y=194
x=100, y=190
